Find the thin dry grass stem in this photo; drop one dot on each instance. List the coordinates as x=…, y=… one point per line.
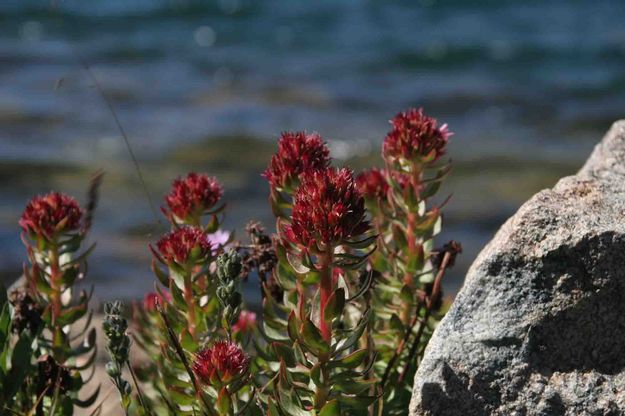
x=139, y=393
x=183, y=358
x=122, y=132
x=92, y=199
x=109, y=104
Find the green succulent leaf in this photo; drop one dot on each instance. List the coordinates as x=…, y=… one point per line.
x=70, y=275
x=331, y=408
x=396, y=324
x=160, y=273
x=86, y=346
x=311, y=278
x=83, y=256
x=432, y=185
x=177, y=296
x=187, y=341
x=415, y=261
x=290, y=403
x=297, y=263
x=312, y=338
x=71, y=244
x=89, y=361
x=360, y=403
x=42, y=284
x=351, y=261
x=224, y=402
x=293, y=326
x=285, y=277
x=272, y=408
x=89, y=401
x=315, y=375
x=407, y=294
x=5, y=324
x=273, y=334
x=300, y=355
x=334, y=306
x=399, y=235
x=262, y=352
x=350, y=385
x=354, y=335
x=285, y=352
x=181, y=397
x=364, y=287
x=360, y=244
x=72, y=314
x=20, y=364
x=352, y=360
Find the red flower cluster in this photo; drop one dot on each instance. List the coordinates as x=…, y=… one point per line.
x=184, y=244
x=328, y=209
x=193, y=195
x=51, y=213
x=150, y=300
x=415, y=136
x=245, y=323
x=297, y=153
x=220, y=364
x=372, y=183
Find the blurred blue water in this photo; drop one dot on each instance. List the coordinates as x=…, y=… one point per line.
x=522, y=83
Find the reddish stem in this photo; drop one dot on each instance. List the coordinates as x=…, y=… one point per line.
x=436, y=289
x=412, y=218
x=55, y=295
x=188, y=297
x=300, y=301
x=412, y=247
x=325, y=291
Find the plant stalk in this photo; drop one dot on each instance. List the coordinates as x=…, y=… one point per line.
x=325, y=291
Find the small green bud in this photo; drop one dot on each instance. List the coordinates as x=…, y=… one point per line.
x=113, y=308
x=229, y=266
x=112, y=370
x=126, y=387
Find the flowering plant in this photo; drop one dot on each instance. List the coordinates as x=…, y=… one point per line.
x=41, y=370
x=407, y=293
x=350, y=284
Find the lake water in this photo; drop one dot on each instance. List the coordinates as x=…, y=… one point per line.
x=528, y=86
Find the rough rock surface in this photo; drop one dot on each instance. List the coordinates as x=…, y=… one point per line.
x=539, y=326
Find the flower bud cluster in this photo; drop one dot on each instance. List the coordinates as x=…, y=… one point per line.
x=372, y=184
x=191, y=197
x=298, y=152
x=184, y=246
x=229, y=266
x=221, y=364
x=50, y=215
x=415, y=138
x=245, y=323
x=117, y=345
x=328, y=209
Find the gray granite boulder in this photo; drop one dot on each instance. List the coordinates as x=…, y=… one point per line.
x=539, y=326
